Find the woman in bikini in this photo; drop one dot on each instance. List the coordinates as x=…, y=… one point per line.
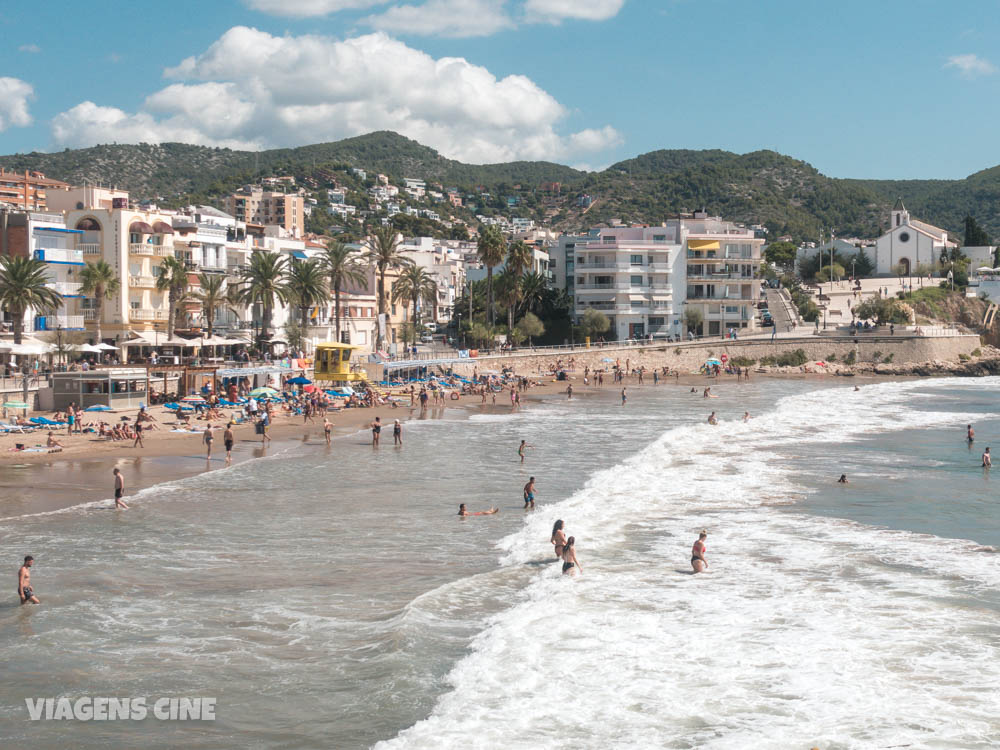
x=698, y=561
x=570, y=564
x=558, y=538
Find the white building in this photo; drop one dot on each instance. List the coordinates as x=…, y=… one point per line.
x=908, y=243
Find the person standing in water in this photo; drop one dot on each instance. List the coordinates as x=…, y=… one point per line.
x=376, y=430
x=209, y=439
x=569, y=391
x=397, y=433
x=327, y=427
x=529, y=493
x=228, y=438
x=522, y=448
x=24, y=591
x=987, y=459
x=712, y=419
x=970, y=434
x=746, y=416
x=570, y=564
x=558, y=538
x=624, y=397
x=698, y=561
x=119, y=489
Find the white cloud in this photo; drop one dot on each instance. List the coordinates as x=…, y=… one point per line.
x=554, y=11
x=971, y=66
x=33, y=48
x=14, y=96
x=450, y=18
x=308, y=8
x=250, y=88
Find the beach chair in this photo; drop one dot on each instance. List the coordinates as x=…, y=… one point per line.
x=8, y=428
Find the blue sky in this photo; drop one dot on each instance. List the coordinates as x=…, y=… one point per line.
x=888, y=89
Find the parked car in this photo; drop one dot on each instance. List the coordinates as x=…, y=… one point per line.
x=426, y=339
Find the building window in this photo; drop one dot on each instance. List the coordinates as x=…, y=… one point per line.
x=656, y=322
x=659, y=238
x=610, y=239
x=636, y=280
x=636, y=260
x=732, y=310
x=638, y=303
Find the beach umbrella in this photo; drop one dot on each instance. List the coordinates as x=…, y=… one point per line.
x=984, y=269
x=299, y=380
x=712, y=361
x=606, y=359
x=106, y=347
x=88, y=348
x=264, y=391
x=193, y=400
x=98, y=407
x=15, y=405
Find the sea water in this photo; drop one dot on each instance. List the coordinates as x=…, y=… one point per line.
x=331, y=597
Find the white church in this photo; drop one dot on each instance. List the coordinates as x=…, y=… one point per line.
x=908, y=243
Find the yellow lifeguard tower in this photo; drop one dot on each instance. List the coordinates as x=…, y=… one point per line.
x=333, y=363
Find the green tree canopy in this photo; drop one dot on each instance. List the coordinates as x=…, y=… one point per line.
x=975, y=235
x=24, y=283
x=781, y=254
x=883, y=310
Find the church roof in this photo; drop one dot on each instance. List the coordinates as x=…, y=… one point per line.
x=928, y=228
x=899, y=205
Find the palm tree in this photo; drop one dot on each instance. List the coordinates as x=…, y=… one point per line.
x=415, y=284
x=23, y=284
x=306, y=284
x=100, y=280
x=519, y=258
x=533, y=286
x=491, y=248
x=264, y=281
x=383, y=253
x=211, y=296
x=508, y=291
x=342, y=270
x=173, y=280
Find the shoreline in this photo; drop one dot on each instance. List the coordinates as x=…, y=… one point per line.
x=84, y=467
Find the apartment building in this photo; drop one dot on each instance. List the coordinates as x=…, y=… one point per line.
x=45, y=237
x=253, y=204
x=134, y=244
x=26, y=191
x=70, y=198
x=722, y=265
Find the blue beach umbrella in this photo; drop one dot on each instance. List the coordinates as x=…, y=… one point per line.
x=98, y=407
x=712, y=361
x=299, y=380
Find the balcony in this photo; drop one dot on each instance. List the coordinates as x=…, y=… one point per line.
x=60, y=256
x=90, y=315
x=142, y=282
x=65, y=288
x=143, y=248
x=147, y=315
x=89, y=248
x=705, y=276
x=54, y=322
x=623, y=244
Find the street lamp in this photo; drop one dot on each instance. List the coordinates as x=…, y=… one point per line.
x=59, y=347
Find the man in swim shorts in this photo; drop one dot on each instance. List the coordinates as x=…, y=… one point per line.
x=24, y=591
x=529, y=493
x=228, y=438
x=119, y=489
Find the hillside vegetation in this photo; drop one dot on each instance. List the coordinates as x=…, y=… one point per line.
x=787, y=195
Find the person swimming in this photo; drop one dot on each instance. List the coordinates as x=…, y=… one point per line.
x=843, y=479
x=698, y=561
x=558, y=537
x=570, y=564
x=463, y=512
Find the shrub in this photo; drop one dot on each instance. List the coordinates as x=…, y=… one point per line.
x=831, y=357
x=977, y=352
x=743, y=362
x=677, y=350
x=796, y=358
x=851, y=358
x=876, y=355
x=888, y=358
x=963, y=357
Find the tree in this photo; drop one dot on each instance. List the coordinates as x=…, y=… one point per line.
x=490, y=246
x=863, y=265
x=975, y=235
x=923, y=269
x=306, y=284
x=264, y=284
x=413, y=285
x=781, y=254
x=24, y=283
x=900, y=269
x=173, y=280
x=834, y=272
x=383, y=253
x=882, y=310
x=519, y=259
x=100, y=280
x=508, y=291
x=211, y=296
x=532, y=326
x=295, y=335
x=594, y=322
x=533, y=288
x=693, y=319
x=342, y=270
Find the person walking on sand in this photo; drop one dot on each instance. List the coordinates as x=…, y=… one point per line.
x=327, y=427
x=558, y=538
x=209, y=437
x=119, y=489
x=397, y=433
x=570, y=564
x=24, y=591
x=987, y=459
x=698, y=561
x=376, y=430
x=228, y=438
x=138, y=435
x=529, y=494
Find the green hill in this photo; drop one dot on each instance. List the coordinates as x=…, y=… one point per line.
x=787, y=195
